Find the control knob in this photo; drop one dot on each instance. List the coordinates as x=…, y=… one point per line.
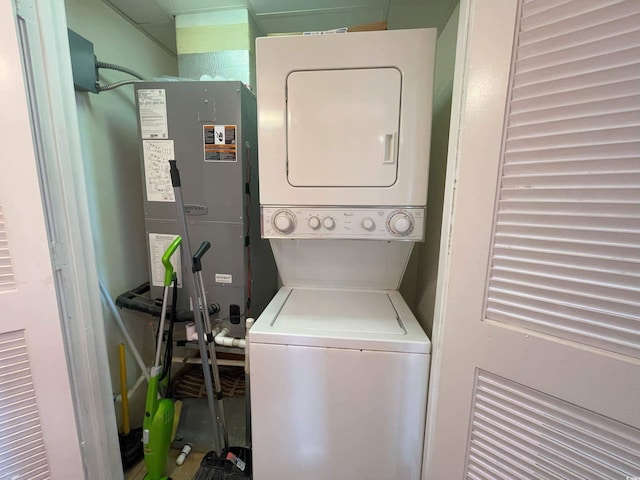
x=314, y=222
x=368, y=223
x=328, y=223
x=283, y=221
x=400, y=223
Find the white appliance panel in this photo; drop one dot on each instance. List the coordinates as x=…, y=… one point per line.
x=350, y=182
x=355, y=264
x=381, y=223
x=342, y=127
x=330, y=413
x=351, y=319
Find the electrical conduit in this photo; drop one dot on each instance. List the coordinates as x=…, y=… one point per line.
x=125, y=333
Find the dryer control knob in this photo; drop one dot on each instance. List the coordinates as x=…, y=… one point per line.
x=368, y=223
x=314, y=222
x=283, y=221
x=328, y=223
x=400, y=223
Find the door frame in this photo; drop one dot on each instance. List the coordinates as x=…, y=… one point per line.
x=458, y=102
x=42, y=34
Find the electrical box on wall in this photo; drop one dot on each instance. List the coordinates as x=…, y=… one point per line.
x=210, y=129
x=83, y=63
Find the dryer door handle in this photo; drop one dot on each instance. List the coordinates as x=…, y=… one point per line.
x=390, y=140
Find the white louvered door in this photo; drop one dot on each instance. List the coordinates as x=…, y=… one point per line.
x=38, y=433
x=537, y=334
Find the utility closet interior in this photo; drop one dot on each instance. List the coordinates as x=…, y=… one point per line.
x=187, y=93
x=321, y=239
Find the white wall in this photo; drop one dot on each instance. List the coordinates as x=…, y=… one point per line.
x=427, y=256
x=108, y=129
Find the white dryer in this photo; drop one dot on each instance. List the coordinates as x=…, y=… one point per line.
x=339, y=364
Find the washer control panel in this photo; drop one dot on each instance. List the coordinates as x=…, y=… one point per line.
x=336, y=222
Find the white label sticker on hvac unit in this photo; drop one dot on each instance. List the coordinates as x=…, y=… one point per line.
x=156, y=154
x=219, y=142
x=152, y=107
x=158, y=244
x=224, y=278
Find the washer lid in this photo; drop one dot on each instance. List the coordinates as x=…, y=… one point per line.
x=339, y=311
x=356, y=319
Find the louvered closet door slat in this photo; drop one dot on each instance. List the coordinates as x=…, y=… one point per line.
x=605, y=222
x=566, y=248
x=536, y=62
x=531, y=8
x=587, y=123
x=584, y=101
x=21, y=442
x=589, y=79
x=575, y=262
x=529, y=140
x=604, y=209
x=7, y=282
x=541, y=294
x=565, y=40
x=620, y=102
x=525, y=433
x=575, y=194
x=563, y=68
x=537, y=14
x=585, y=15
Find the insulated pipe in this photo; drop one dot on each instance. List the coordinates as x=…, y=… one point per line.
x=224, y=340
x=116, y=315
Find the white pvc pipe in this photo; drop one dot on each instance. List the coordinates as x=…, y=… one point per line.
x=131, y=392
x=222, y=339
x=192, y=335
x=116, y=314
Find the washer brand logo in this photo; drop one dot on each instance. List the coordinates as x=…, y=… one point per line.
x=195, y=210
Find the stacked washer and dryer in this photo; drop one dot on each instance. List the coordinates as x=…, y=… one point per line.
x=339, y=364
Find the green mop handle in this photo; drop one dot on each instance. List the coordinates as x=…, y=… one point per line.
x=166, y=260
x=168, y=278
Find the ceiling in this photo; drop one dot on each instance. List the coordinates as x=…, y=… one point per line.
x=156, y=17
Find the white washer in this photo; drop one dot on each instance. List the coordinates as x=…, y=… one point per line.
x=342, y=381
x=339, y=364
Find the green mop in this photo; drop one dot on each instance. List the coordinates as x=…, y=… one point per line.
x=158, y=415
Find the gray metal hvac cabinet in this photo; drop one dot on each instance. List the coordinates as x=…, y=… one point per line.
x=210, y=129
